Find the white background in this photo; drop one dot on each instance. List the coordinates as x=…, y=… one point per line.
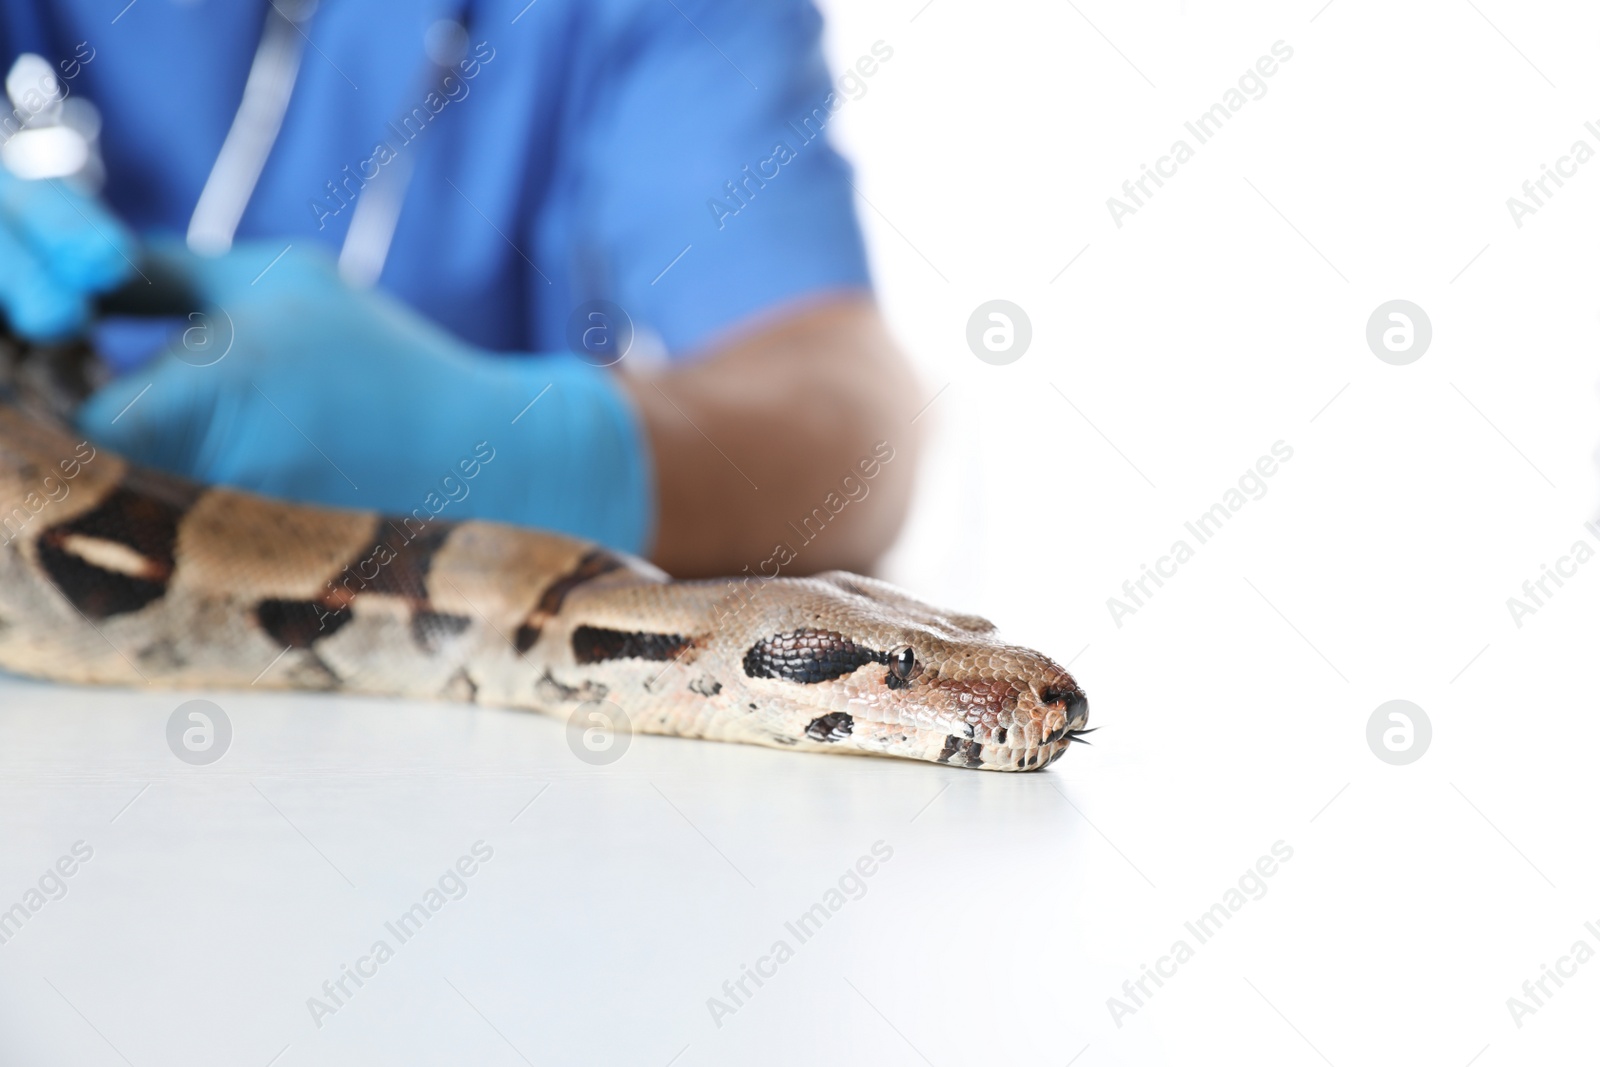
x=1226, y=315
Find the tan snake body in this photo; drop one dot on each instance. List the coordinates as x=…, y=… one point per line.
x=114, y=574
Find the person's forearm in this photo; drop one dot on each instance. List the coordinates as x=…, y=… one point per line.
x=789, y=450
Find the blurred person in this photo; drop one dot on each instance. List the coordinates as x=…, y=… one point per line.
x=428, y=237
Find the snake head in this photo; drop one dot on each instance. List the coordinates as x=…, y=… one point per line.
x=858, y=664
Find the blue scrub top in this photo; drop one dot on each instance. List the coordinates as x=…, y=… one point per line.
x=594, y=142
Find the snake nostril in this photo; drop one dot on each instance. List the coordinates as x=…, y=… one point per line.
x=1077, y=707
x=1074, y=704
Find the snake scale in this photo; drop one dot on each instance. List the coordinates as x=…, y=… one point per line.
x=114, y=574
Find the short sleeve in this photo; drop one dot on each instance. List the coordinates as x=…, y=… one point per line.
x=705, y=187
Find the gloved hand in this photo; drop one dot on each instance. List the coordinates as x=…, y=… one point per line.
x=57, y=249
x=294, y=385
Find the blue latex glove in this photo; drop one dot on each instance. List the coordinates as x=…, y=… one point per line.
x=295, y=385
x=57, y=249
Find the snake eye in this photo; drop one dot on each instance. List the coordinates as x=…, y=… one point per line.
x=900, y=664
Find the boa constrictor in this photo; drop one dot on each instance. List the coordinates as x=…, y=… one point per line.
x=115, y=574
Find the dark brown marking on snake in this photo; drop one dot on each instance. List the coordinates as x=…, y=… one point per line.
x=395, y=566
x=1000, y=736
x=834, y=726
x=548, y=688
x=527, y=637
x=706, y=686
x=593, y=644
x=432, y=630
x=140, y=517
x=396, y=562
x=299, y=623
x=971, y=752
x=808, y=656
x=552, y=691
x=591, y=566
